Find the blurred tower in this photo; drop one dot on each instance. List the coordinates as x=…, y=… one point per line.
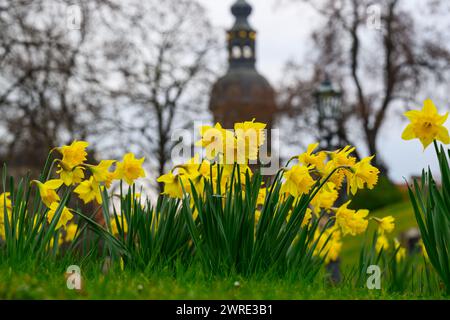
x=242, y=94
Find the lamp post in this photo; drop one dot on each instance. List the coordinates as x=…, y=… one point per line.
x=328, y=101
x=330, y=123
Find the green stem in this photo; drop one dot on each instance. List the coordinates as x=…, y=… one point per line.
x=436, y=148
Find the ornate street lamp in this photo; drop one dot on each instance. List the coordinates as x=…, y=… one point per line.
x=328, y=101
x=330, y=123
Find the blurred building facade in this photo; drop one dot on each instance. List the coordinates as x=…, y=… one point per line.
x=242, y=93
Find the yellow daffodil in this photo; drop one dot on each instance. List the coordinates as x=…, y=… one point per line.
x=224, y=177
x=329, y=244
x=250, y=137
x=101, y=172
x=363, y=174
x=351, y=221
x=70, y=175
x=257, y=216
x=88, y=190
x=401, y=252
x=130, y=169
x=298, y=181
x=218, y=142
x=325, y=198
x=52, y=242
x=122, y=223
x=261, y=196
x=47, y=190
x=205, y=169
x=196, y=171
x=172, y=186
x=74, y=154
x=426, y=125
x=307, y=218
x=382, y=243
x=71, y=231
x=192, y=172
x=64, y=218
x=5, y=205
x=342, y=157
x=339, y=158
x=192, y=166
x=314, y=160
x=109, y=179
x=386, y=224
x=209, y=135
x=36, y=221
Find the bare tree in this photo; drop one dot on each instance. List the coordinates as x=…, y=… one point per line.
x=46, y=80
x=381, y=53
x=124, y=77
x=160, y=60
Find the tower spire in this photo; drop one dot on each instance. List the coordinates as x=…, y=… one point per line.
x=242, y=93
x=241, y=37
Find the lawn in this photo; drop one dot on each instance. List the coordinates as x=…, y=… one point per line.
x=49, y=282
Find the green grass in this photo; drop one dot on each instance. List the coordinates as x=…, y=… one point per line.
x=47, y=280
x=50, y=283
x=404, y=220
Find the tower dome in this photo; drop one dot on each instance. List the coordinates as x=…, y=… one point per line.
x=242, y=93
x=241, y=9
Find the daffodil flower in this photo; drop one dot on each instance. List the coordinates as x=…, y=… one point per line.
x=325, y=198
x=88, y=190
x=351, y=221
x=329, y=244
x=400, y=251
x=363, y=174
x=218, y=143
x=70, y=175
x=101, y=172
x=382, y=243
x=115, y=227
x=172, y=186
x=64, y=218
x=130, y=169
x=339, y=159
x=74, y=154
x=5, y=205
x=426, y=125
x=386, y=224
x=47, y=190
x=298, y=181
x=71, y=231
x=250, y=136
x=314, y=160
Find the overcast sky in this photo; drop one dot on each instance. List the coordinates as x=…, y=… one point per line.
x=283, y=33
